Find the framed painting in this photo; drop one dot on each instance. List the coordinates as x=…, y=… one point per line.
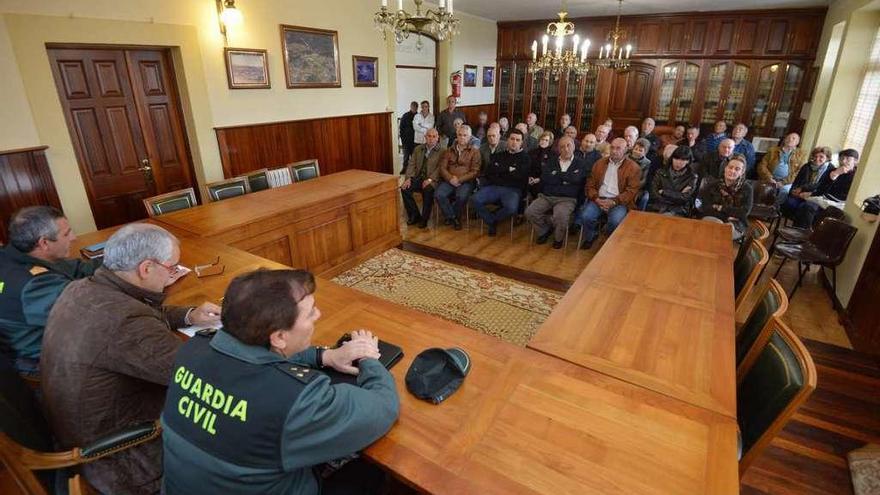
x=366, y=71
x=488, y=76
x=311, y=57
x=247, y=68
x=470, y=76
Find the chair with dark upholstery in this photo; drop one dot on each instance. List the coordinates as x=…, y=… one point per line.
x=771, y=390
x=258, y=180
x=753, y=334
x=172, y=201
x=746, y=270
x=305, y=170
x=826, y=246
x=26, y=443
x=764, y=202
x=228, y=188
x=797, y=234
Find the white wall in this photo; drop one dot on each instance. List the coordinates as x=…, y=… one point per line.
x=17, y=129
x=475, y=45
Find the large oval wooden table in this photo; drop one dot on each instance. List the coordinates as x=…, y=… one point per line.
x=523, y=422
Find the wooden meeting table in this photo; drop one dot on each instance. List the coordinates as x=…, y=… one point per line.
x=522, y=422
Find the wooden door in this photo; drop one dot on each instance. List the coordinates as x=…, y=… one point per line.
x=629, y=97
x=863, y=311
x=128, y=138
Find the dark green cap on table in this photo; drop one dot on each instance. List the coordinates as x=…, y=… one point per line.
x=436, y=373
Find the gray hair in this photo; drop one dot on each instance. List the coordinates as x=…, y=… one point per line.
x=631, y=129
x=467, y=128
x=135, y=243
x=28, y=225
x=644, y=143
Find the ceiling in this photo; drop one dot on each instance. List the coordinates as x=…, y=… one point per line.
x=516, y=10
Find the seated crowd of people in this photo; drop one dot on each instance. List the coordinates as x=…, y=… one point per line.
x=560, y=180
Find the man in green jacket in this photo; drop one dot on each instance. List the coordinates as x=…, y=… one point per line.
x=249, y=410
x=34, y=269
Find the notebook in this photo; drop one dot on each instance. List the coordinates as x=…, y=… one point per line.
x=390, y=355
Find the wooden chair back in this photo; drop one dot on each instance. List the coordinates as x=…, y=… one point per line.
x=172, y=201
x=778, y=382
x=746, y=272
x=228, y=188
x=279, y=177
x=755, y=332
x=305, y=170
x=258, y=180
x=759, y=230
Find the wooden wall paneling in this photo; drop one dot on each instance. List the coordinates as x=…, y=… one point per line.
x=749, y=37
x=25, y=180
x=777, y=37
x=472, y=112
x=648, y=34
x=675, y=37
x=863, y=312
x=804, y=35
x=339, y=143
x=724, y=36
x=323, y=241
x=697, y=37
x=374, y=219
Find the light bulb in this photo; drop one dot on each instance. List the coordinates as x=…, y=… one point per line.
x=231, y=16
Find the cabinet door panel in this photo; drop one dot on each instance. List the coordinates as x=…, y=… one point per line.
x=736, y=93
x=696, y=39
x=687, y=92
x=725, y=34
x=715, y=78
x=373, y=219
x=777, y=37
x=785, y=107
x=648, y=36
x=323, y=241
x=505, y=80
x=762, y=99
x=666, y=96
x=675, y=37
x=804, y=36
x=747, y=41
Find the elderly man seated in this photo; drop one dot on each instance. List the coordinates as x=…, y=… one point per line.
x=562, y=179
x=422, y=176
x=459, y=167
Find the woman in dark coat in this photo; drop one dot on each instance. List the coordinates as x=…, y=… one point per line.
x=672, y=187
x=729, y=199
x=807, y=180
x=834, y=185
x=539, y=156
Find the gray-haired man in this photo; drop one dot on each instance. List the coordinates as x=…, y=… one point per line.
x=108, y=352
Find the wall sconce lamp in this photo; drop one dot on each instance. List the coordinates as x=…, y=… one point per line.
x=228, y=14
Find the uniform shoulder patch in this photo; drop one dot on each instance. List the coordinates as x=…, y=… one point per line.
x=37, y=269
x=302, y=373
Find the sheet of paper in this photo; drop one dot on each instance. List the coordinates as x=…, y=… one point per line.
x=192, y=329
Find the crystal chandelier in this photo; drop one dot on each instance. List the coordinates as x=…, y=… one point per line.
x=614, y=55
x=439, y=23
x=559, y=59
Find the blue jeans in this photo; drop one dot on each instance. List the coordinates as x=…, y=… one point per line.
x=508, y=197
x=462, y=194
x=588, y=218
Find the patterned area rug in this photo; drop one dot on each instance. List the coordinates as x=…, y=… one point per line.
x=488, y=303
x=864, y=464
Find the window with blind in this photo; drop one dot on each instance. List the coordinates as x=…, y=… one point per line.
x=866, y=104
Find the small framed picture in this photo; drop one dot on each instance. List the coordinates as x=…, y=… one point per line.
x=366, y=71
x=488, y=76
x=470, y=76
x=247, y=68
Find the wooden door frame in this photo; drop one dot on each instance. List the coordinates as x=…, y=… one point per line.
x=167, y=52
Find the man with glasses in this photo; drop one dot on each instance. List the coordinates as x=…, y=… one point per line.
x=108, y=352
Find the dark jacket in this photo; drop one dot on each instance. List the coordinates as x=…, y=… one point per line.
x=837, y=189
x=712, y=165
x=486, y=154
x=644, y=164
x=28, y=288
x=508, y=169
x=698, y=150
x=738, y=206
x=407, y=131
x=589, y=158
x=445, y=123
x=285, y=418
x=540, y=157
x=107, y=359
x=425, y=168
x=802, y=180
x=568, y=184
x=668, y=193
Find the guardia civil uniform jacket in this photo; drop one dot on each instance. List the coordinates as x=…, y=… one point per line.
x=242, y=419
x=28, y=288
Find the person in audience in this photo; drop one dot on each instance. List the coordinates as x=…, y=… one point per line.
x=564, y=122
x=713, y=164
x=529, y=143
x=781, y=165
x=539, y=157
x=422, y=176
x=505, y=127
x=807, y=179
x=459, y=168
x=611, y=192
x=744, y=147
x=833, y=186
x=446, y=121
x=534, y=129
x=284, y=418
x=34, y=269
x=630, y=134
x=423, y=121
x=108, y=353
x=711, y=142
x=474, y=142
x=729, y=199
x=503, y=183
x=648, y=125
x=588, y=151
x=609, y=124
x=639, y=154
x=570, y=131
x=493, y=144
x=673, y=186
x=692, y=141
x=602, y=134
x=563, y=177
x=482, y=125
x=678, y=133
x=408, y=133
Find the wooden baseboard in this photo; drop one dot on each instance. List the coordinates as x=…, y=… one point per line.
x=842, y=316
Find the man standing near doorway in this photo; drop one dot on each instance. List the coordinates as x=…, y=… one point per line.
x=446, y=121
x=407, y=133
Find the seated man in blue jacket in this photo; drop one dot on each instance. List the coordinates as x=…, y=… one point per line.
x=562, y=180
x=248, y=410
x=504, y=181
x=34, y=269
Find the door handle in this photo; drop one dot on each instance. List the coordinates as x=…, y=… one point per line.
x=146, y=165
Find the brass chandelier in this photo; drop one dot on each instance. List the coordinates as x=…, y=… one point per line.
x=559, y=59
x=614, y=55
x=440, y=23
